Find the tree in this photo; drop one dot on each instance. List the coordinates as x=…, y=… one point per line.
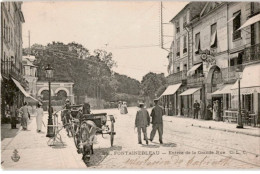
x=151, y=82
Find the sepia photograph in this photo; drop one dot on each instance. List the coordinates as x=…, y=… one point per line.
x=130, y=85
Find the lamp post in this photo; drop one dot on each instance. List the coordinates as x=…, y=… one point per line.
x=239, y=119
x=203, y=97
x=49, y=75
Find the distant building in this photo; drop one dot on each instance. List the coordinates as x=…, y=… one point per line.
x=12, y=81
x=30, y=74
x=223, y=37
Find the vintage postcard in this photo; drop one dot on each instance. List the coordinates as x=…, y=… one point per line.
x=130, y=85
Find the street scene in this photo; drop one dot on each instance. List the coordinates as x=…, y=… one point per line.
x=130, y=85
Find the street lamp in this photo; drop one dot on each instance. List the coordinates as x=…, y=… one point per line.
x=49, y=75
x=239, y=120
x=203, y=97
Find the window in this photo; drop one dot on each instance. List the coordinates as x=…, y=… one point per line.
x=185, y=67
x=184, y=21
x=177, y=27
x=185, y=44
x=236, y=25
x=178, y=47
x=213, y=39
x=4, y=29
x=178, y=69
x=197, y=43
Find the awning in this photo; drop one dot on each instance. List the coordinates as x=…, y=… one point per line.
x=225, y=89
x=250, y=81
x=31, y=99
x=233, y=17
x=250, y=21
x=21, y=88
x=193, y=69
x=171, y=89
x=190, y=91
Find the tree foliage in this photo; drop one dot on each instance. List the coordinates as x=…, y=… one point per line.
x=92, y=74
x=152, y=84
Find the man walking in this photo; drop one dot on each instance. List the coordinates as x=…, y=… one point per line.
x=142, y=121
x=157, y=113
x=196, y=107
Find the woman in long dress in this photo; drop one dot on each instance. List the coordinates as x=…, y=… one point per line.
x=214, y=111
x=39, y=115
x=25, y=115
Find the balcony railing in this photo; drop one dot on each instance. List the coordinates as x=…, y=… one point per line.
x=230, y=73
x=177, y=77
x=252, y=53
x=195, y=79
x=8, y=68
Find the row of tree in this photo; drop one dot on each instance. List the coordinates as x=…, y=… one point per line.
x=93, y=75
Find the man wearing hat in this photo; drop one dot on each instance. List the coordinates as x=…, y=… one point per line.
x=142, y=120
x=157, y=121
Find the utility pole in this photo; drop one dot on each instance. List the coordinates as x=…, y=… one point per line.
x=29, y=38
x=161, y=28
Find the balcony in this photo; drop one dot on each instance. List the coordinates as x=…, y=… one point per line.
x=252, y=54
x=178, y=77
x=9, y=69
x=195, y=80
x=230, y=74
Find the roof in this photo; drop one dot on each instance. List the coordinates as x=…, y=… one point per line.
x=195, y=8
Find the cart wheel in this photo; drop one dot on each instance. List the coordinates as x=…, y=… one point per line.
x=112, y=133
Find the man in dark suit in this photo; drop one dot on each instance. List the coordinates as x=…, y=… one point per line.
x=196, y=107
x=142, y=121
x=157, y=121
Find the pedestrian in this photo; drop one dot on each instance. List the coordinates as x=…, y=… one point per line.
x=24, y=110
x=39, y=115
x=215, y=111
x=142, y=120
x=13, y=112
x=196, y=108
x=157, y=121
x=202, y=109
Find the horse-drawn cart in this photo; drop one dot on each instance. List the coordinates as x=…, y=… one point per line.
x=86, y=127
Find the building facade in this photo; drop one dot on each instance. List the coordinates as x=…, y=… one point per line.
x=12, y=81
x=30, y=74
x=222, y=38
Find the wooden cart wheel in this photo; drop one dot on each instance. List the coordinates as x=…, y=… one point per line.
x=112, y=133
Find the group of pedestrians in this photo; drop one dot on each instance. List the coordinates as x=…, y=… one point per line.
x=24, y=114
x=142, y=121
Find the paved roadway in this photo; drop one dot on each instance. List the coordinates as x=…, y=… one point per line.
x=185, y=146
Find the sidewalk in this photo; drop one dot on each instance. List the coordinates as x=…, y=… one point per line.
x=214, y=125
x=34, y=151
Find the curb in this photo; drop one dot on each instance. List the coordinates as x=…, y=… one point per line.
x=226, y=130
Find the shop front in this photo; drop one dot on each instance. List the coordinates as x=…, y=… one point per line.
x=249, y=92
x=188, y=98
x=169, y=99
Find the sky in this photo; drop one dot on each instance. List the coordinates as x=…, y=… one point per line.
x=129, y=29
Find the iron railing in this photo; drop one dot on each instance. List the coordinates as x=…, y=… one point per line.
x=195, y=79
x=8, y=68
x=252, y=53
x=177, y=77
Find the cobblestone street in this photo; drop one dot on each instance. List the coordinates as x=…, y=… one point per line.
x=185, y=146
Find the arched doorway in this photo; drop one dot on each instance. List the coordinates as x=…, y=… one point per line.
x=62, y=95
x=45, y=95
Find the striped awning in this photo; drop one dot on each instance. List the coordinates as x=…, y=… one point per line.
x=225, y=89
